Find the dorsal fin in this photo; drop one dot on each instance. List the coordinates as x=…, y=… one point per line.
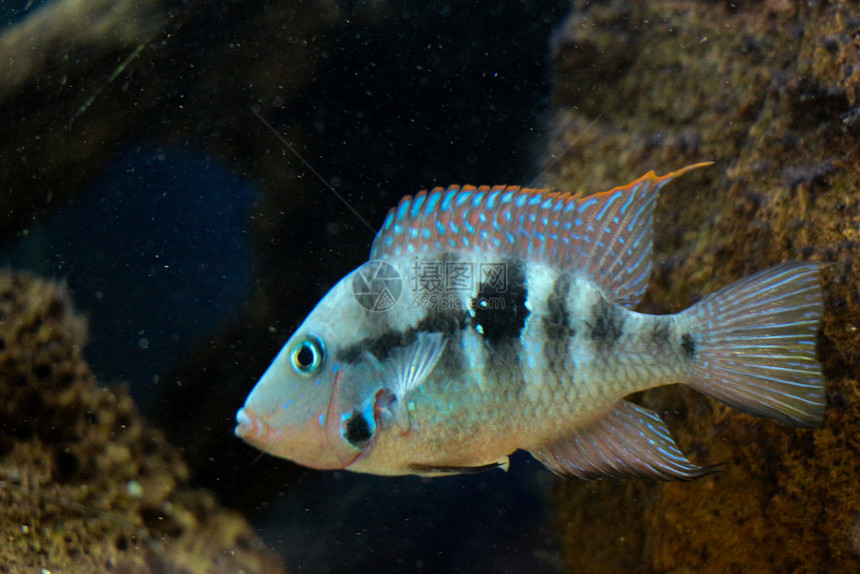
x=605, y=236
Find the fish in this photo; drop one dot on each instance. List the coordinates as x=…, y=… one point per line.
x=492, y=319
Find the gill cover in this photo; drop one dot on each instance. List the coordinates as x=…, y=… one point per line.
x=309, y=407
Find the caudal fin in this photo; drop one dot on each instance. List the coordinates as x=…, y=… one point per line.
x=754, y=344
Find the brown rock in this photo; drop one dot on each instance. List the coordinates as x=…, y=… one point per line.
x=769, y=91
x=85, y=484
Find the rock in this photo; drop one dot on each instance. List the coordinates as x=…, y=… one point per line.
x=85, y=484
x=769, y=91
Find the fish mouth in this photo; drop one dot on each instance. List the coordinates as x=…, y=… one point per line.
x=305, y=445
x=249, y=426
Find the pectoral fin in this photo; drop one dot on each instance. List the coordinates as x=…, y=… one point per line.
x=628, y=441
x=406, y=368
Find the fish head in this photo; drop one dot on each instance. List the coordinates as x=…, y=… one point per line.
x=315, y=403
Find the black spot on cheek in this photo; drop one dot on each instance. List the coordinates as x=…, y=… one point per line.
x=358, y=431
x=688, y=344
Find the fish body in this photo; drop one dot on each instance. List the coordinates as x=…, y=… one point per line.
x=494, y=319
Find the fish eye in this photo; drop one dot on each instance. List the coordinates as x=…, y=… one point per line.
x=307, y=356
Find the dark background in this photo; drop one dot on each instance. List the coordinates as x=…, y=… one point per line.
x=195, y=242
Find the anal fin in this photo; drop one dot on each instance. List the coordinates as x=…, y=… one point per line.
x=628, y=441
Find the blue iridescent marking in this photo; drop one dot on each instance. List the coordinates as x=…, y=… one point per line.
x=476, y=201
x=446, y=201
x=558, y=205
x=491, y=199
x=546, y=204
x=535, y=200
x=521, y=200
x=398, y=228
x=389, y=240
x=416, y=205
x=482, y=217
x=432, y=201
x=507, y=197
x=463, y=197
x=577, y=221
x=544, y=220
x=440, y=228
x=629, y=199
x=508, y=215
x=425, y=233
x=322, y=419
x=413, y=232
x=398, y=250
x=410, y=248
x=532, y=217
x=570, y=205
x=586, y=204
x=567, y=225
x=510, y=238
x=465, y=241
x=452, y=242
x=453, y=227
x=388, y=219
x=608, y=203
x=401, y=210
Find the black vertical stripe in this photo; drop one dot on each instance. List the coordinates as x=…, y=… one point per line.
x=607, y=323
x=557, y=321
x=505, y=313
x=558, y=328
x=660, y=332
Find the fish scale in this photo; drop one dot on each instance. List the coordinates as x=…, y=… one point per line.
x=634, y=367
x=533, y=344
